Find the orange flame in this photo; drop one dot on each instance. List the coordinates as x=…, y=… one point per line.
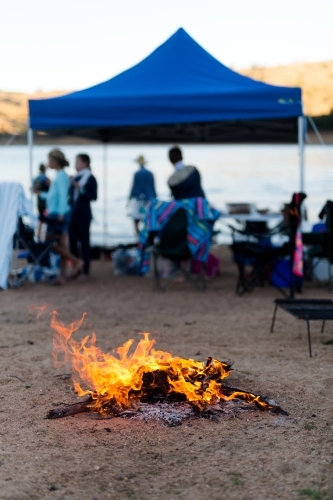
x=36, y=312
x=121, y=378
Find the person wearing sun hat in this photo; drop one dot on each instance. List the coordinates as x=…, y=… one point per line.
x=142, y=192
x=58, y=214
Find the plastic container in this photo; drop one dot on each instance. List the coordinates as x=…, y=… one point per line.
x=321, y=269
x=126, y=262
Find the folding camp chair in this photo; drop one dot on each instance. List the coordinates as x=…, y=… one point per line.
x=256, y=264
x=256, y=258
x=171, y=245
x=36, y=253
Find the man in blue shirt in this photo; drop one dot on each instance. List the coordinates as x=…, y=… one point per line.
x=143, y=191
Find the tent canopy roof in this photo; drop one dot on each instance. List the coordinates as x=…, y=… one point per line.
x=179, y=86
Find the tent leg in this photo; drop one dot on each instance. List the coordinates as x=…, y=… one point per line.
x=316, y=131
x=301, y=152
x=105, y=192
x=30, y=140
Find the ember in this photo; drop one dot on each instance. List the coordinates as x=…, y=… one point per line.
x=124, y=383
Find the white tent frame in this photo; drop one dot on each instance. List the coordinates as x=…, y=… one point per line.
x=301, y=133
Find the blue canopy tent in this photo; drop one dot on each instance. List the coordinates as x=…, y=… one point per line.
x=177, y=85
x=179, y=93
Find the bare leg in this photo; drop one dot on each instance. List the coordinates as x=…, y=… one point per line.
x=39, y=230
x=62, y=249
x=136, y=226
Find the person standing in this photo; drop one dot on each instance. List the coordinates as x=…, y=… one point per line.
x=185, y=182
x=143, y=191
x=83, y=190
x=41, y=183
x=58, y=214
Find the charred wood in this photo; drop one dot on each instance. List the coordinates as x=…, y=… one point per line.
x=156, y=389
x=68, y=410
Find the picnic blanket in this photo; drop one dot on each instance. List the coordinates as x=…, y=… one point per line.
x=200, y=216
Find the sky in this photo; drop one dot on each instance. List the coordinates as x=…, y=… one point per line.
x=73, y=44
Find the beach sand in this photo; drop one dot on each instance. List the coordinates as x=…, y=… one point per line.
x=256, y=456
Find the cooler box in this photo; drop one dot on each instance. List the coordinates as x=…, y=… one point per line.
x=281, y=274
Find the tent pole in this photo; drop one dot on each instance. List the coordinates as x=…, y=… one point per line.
x=105, y=192
x=30, y=138
x=301, y=152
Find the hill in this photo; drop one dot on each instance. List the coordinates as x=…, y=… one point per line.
x=14, y=110
x=315, y=79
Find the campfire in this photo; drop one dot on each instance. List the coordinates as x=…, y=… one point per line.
x=138, y=380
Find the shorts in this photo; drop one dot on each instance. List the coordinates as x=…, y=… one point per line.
x=41, y=205
x=55, y=226
x=139, y=209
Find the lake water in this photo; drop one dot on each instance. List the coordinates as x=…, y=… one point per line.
x=264, y=175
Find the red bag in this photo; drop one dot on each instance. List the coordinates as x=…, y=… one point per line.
x=212, y=266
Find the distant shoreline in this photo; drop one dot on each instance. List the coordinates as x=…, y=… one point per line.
x=20, y=140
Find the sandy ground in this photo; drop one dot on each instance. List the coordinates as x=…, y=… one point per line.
x=257, y=456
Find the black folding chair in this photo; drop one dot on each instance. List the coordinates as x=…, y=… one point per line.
x=172, y=246
x=37, y=254
x=256, y=260
x=256, y=264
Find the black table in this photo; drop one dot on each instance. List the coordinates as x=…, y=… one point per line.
x=307, y=309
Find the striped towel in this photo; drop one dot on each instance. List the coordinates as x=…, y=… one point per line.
x=200, y=216
x=13, y=204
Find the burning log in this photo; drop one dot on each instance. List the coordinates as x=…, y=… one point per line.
x=207, y=412
x=119, y=384
x=259, y=401
x=154, y=394
x=68, y=410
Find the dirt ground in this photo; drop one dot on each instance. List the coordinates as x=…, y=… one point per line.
x=256, y=456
